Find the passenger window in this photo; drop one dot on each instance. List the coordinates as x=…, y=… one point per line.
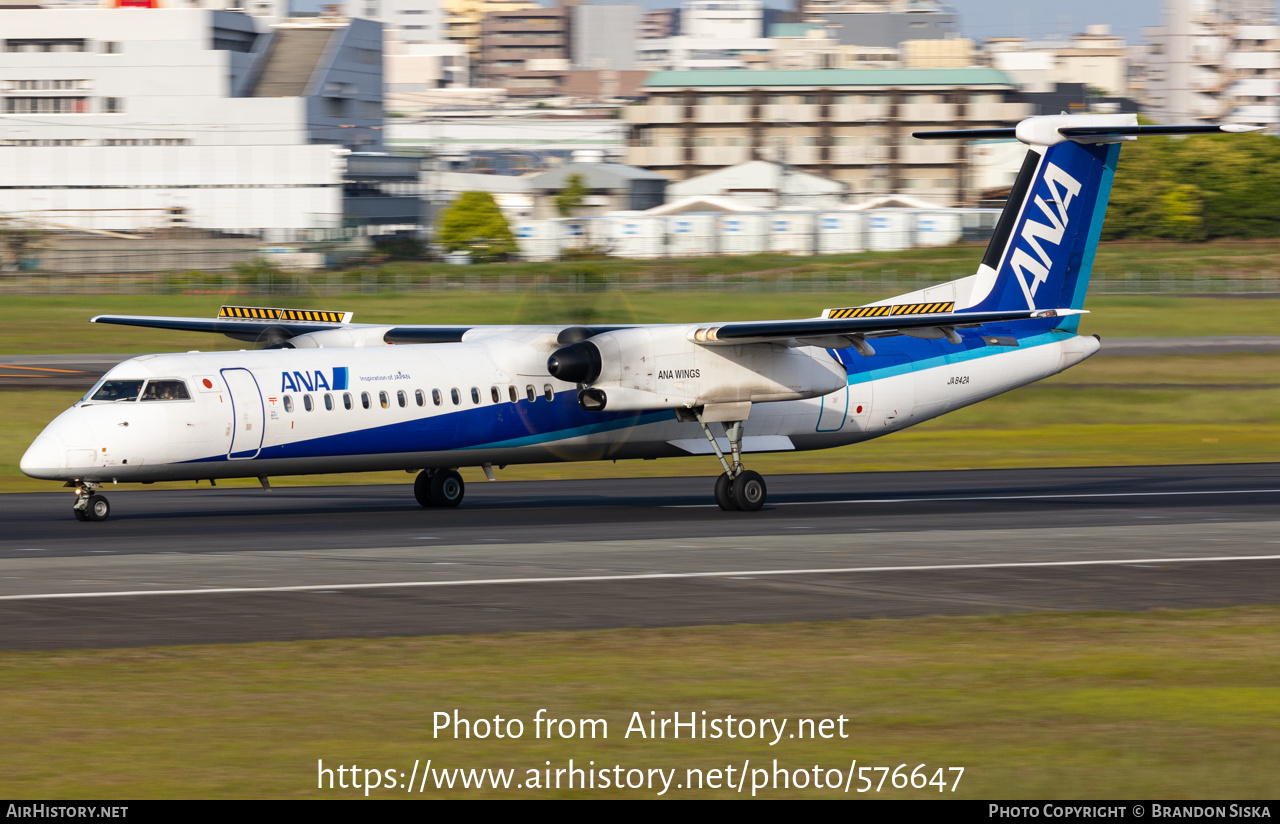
x=400, y=398
x=435, y=397
x=548, y=391
x=457, y=399
x=117, y=391
x=528, y=390
x=493, y=393
x=420, y=398
x=288, y=403
x=384, y=400
x=165, y=391
x=475, y=395
x=364, y=399
x=328, y=401
x=306, y=402
x=511, y=390
x=346, y=400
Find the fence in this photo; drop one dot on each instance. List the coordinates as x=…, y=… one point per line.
x=325, y=284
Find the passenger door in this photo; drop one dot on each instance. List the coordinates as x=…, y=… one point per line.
x=248, y=418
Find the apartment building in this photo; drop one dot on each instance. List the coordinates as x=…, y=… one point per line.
x=659, y=24
x=1215, y=60
x=463, y=20
x=526, y=51
x=1096, y=58
x=850, y=125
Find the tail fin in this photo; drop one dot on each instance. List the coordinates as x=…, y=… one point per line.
x=1041, y=255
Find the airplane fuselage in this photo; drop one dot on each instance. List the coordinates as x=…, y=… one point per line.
x=487, y=400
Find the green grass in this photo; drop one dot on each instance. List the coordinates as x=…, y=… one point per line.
x=1158, y=705
x=1106, y=411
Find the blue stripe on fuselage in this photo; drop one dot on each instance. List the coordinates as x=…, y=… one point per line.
x=491, y=426
x=901, y=354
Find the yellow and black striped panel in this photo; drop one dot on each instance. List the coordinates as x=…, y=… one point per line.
x=249, y=313
x=262, y=313
x=320, y=315
x=884, y=311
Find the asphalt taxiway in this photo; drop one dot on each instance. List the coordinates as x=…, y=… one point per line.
x=229, y=565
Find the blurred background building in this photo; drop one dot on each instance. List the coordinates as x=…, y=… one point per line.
x=272, y=118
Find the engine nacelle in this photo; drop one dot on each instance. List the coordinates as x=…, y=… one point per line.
x=660, y=368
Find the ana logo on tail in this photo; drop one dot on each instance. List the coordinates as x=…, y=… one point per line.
x=1062, y=188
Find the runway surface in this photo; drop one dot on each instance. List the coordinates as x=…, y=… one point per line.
x=230, y=565
x=82, y=371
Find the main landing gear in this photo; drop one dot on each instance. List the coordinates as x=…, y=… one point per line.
x=737, y=489
x=88, y=506
x=438, y=487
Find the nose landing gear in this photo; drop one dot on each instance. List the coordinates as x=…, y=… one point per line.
x=737, y=489
x=88, y=506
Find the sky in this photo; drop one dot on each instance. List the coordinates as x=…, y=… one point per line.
x=1039, y=19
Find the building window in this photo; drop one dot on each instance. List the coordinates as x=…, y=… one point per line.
x=109, y=47
x=53, y=141
x=45, y=85
x=46, y=105
x=112, y=105
x=44, y=45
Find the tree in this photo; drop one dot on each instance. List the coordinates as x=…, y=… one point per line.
x=18, y=241
x=473, y=223
x=572, y=196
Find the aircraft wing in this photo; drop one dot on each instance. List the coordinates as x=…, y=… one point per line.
x=840, y=332
x=277, y=325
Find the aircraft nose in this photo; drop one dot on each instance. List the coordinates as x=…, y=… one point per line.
x=43, y=459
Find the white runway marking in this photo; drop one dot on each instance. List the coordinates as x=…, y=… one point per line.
x=1002, y=497
x=651, y=576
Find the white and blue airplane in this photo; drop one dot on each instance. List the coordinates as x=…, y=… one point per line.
x=329, y=395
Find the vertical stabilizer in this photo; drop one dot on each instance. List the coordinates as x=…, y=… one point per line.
x=1041, y=255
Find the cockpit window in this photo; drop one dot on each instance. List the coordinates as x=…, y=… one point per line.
x=165, y=391
x=109, y=391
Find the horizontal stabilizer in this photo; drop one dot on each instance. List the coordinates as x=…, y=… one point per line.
x=1086, y=131
x=968, y=134
x=1048, y=130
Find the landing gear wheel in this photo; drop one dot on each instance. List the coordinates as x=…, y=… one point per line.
x=422, y=488
x=724, y=493
x=80, y=514
x=98, y=508
x=749, y=491
x=447, y=488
